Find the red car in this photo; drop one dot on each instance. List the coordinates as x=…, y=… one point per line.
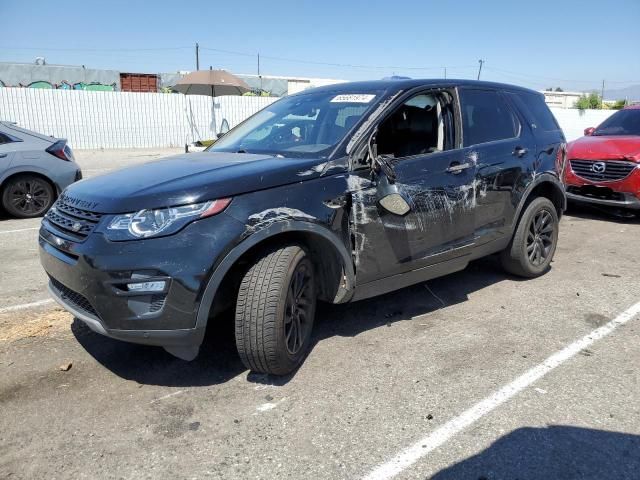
x=604, y=165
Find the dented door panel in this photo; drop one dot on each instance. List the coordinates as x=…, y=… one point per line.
x=439, y=227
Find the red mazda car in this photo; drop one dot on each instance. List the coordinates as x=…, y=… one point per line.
x=604, y=165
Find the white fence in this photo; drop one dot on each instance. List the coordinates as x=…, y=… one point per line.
x=123, y=119
x=573, y=121
x=138, y=120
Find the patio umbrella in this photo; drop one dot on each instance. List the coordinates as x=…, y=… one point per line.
x=213, y=83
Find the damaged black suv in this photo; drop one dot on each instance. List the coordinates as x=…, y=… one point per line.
x=335, y=194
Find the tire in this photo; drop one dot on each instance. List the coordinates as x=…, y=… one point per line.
x=267, y=315
x=533, y=245
x=27, y=196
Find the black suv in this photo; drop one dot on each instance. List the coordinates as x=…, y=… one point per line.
x=335, y=194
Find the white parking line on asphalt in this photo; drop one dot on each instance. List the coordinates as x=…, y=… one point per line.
x=24, y=306
x=442, y=434
x=19, y=230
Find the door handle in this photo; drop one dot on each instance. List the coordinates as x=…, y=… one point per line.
x=457, y=168
x=519, y=151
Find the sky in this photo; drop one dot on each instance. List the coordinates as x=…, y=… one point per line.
x=570, y=44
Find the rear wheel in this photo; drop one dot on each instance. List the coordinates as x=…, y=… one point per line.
x=275, y=310
x=532, y=247
x=27, y=196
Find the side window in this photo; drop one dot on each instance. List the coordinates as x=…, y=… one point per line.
x=486, y=117
x=4, y=139
x=416, y=127
x=537, y=109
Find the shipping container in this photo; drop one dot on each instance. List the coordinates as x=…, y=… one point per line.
x=138, y=82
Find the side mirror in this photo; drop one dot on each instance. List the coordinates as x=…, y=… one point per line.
x=589, y=131
x=392, y=199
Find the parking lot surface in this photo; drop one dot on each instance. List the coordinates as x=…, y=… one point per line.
x=397, y=372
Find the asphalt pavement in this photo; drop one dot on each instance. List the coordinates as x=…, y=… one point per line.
x=448, y=379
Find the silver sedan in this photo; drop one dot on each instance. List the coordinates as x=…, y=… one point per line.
x=34, y=170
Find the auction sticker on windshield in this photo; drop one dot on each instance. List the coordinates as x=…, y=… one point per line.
x=353, y=98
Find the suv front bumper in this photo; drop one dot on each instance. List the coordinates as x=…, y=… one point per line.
x=90, y=278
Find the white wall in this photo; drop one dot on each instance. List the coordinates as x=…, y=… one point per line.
x=573, y=121
x=137, y=120
x=123, y=119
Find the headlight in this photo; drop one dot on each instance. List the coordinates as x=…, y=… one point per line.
x=162, y=221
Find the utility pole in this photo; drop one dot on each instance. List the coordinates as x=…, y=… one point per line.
x=480, y=69
x=197, y=56
x=602, y=96
x=445, y=73
x=259, y=76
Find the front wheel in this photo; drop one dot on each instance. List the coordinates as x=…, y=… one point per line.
x=275, y=310
x=533, y=245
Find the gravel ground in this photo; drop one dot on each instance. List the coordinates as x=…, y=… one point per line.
x=383, y=374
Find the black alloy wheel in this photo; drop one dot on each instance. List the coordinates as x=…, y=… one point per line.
x=540, y=237
x=27, y=197
x=299, y=309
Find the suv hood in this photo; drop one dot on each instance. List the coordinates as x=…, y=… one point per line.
x=191, y=178
x=624, y=147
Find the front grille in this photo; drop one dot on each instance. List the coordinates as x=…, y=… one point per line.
x=592, y=169
x=71, y=220
x=74, y=298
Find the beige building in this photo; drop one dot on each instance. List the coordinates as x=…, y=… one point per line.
x=561, y=99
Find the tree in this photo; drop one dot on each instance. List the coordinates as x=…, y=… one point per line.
x=589, y=102
x=558, y=89
x=619, y=104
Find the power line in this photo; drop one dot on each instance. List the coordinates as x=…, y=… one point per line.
x=95, y=49
x=332, y=64
x=529, y=76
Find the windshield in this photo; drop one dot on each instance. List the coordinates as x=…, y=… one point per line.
x=308, y=125
x=624, y=122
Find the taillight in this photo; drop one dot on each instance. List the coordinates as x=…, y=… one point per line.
x=61, y=150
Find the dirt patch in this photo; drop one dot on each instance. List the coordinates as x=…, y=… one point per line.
x=17, y=325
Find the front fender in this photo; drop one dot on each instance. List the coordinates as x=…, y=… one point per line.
x=288, y=226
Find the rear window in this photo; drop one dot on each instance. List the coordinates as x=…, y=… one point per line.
x=534, y=107
x=486, y=117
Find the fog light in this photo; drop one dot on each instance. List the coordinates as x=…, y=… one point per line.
x=147, y=286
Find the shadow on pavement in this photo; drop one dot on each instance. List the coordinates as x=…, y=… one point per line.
x=556, y=452
x=218, y=360
x=605, y=214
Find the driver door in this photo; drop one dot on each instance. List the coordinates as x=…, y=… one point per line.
x=438, y=186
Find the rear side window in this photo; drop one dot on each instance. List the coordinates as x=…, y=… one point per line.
x=4, y=139
x=486, y=117
x=537, y=110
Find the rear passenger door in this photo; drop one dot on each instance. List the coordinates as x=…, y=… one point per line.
x=501, y=148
